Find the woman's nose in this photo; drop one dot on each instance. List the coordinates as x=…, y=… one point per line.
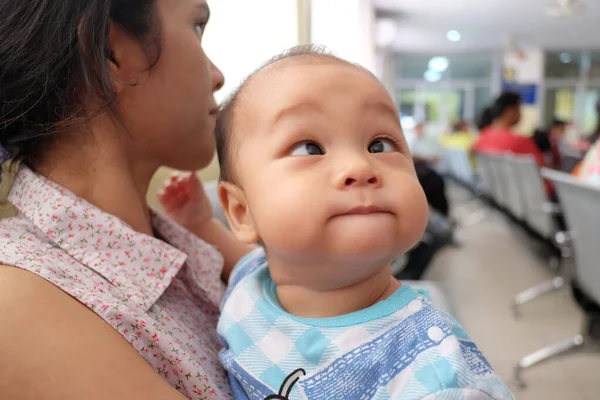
x=218, y=79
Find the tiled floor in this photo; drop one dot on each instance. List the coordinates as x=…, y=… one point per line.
x=496, y=261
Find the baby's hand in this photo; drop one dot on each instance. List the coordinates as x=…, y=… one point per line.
x=185, y=202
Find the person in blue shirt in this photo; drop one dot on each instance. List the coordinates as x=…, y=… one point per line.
x=315, y=168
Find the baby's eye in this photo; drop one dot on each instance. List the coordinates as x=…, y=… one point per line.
x=307, y=149
x=381, y=146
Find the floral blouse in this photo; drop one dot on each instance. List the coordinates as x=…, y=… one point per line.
x=164, y=299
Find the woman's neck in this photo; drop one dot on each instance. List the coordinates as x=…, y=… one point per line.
x=102, y=174
x=305, y=302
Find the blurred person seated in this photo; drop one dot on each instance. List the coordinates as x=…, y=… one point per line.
x=549, y=141
x=499, y=137
x=485, y=119
x=427, y=153
x=425, y=148
x=460, y=138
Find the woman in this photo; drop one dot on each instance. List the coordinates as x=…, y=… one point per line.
x=95, y=96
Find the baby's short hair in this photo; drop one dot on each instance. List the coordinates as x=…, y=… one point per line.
x=223, y=132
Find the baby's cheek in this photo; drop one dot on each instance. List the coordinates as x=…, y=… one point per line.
x=413, y=211
x=289, y=227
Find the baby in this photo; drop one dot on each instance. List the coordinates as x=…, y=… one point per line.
x=315, y=168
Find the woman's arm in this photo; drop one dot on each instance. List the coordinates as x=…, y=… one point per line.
x=54, y=348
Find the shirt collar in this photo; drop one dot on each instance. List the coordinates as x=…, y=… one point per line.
x=141, y=266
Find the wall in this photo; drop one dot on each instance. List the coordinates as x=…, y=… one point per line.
x=241, y=35
x=528, y=70
x=347, y=28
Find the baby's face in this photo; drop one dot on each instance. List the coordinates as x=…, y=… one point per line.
x=324, y=167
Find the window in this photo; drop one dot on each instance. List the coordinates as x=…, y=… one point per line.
x=442, y=89
x=590, y=113
x=560, y=103
x=563, y=64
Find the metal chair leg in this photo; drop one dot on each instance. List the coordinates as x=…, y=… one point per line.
x=545, y=354
x=535, y=292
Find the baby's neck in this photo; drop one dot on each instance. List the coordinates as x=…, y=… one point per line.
x=305, y=302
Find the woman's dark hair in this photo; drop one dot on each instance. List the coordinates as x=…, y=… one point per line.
x=505, y=101
x=485, y=119
x=53, y=55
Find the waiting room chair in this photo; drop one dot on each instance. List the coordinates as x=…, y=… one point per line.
x=538, y=208
x=540, y=217
x=581, y=205
x=514, y=191
x=458, y=166
x=496, y=162
x=487, y=175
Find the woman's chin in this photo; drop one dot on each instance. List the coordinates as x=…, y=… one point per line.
x=188, y=161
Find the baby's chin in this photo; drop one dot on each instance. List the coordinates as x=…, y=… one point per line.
x=363, y=250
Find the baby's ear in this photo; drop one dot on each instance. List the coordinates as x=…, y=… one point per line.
x=233, y=202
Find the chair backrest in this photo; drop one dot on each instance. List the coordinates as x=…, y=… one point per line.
x=534, y=194
x=514, y=191
x=458, y=165
x=486, y=174
x=581, y=207
x=500, y=190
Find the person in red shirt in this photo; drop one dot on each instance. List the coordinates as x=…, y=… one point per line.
x=499, y=137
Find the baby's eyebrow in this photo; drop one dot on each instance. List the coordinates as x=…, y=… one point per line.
x=293, y=110
x=382, y=107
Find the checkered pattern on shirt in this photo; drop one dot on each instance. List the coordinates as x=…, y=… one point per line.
x=413, y=353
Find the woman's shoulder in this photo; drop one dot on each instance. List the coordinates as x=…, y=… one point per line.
x=23, y=246
x=43, y=327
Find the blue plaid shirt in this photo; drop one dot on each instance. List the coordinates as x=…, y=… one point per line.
x=400, y=348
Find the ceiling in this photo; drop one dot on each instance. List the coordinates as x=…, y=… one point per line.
x=487, y=24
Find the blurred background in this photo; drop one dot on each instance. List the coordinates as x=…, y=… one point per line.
x=500, y=223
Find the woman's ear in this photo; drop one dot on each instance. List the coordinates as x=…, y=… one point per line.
x=235, y=207
x=126, y=58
